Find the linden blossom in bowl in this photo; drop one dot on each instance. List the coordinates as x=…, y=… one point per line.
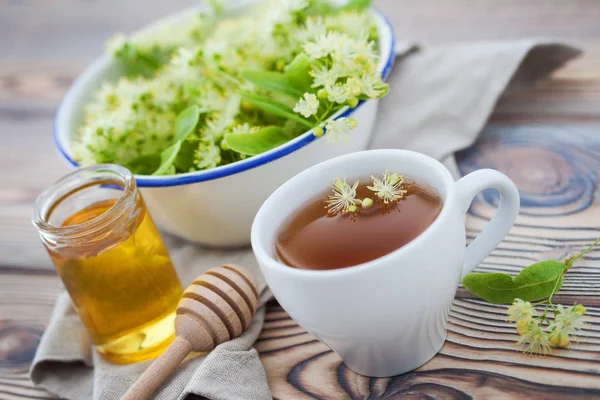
x=215, y=113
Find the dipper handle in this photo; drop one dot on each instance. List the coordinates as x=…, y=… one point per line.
x=160, y=370
x=218, y=306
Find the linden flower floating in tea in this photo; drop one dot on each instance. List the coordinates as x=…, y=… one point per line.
x=387, y=190
x=537, y=283
x=343, y=198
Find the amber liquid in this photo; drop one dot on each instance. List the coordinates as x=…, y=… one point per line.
x=125, y=292
x=313, y=240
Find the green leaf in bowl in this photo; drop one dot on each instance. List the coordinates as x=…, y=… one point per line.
x=184, y=125
x=274, y=107
x=275, y=81
x=185, y=158
x=293, y=128
x=186, y=122
x=257, y=142
x=356, y=5
x=297, y=73
x=167, y=157
x=145, y=164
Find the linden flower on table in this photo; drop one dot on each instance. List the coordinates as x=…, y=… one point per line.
x=534, y=339
x=567, y=322
x=521, y=312
x=537, y=338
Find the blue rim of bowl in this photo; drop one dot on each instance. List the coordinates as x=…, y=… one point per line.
x=249, y=163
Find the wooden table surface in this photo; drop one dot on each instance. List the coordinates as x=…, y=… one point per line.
x=547, y=139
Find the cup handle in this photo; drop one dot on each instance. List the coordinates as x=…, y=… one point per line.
x=466, y=189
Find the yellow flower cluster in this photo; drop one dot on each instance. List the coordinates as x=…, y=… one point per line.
x=537, y=338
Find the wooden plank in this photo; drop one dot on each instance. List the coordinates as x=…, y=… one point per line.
x=26, y=301
x=46, y=44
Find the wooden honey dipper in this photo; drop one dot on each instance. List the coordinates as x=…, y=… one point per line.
x=218, y=306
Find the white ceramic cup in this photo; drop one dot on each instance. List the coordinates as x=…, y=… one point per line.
x=387, y=316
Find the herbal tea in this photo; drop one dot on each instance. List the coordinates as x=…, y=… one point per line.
x=338, y=229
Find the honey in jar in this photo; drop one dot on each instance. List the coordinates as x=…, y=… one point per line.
x=111, y=260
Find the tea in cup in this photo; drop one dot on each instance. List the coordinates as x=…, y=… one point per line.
x=322, y=236
x=388, y=313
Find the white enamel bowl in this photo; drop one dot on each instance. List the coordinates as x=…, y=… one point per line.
x=216, y=207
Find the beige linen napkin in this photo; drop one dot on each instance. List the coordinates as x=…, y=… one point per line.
x=440, y=98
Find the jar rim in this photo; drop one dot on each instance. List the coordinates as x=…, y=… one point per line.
x=72, y=183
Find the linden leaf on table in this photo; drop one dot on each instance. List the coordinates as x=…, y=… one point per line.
x=535, y=282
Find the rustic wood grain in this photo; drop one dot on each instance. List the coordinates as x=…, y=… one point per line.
x=45, y=44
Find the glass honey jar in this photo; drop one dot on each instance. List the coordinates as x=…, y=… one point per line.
x=111, y=260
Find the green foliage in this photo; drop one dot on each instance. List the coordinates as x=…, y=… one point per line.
x=298, y=73
x=190, y=84
x=185, y=124
x=256, y=142
x=536, y=282
x=140, y=63
x=272, y=80
x=145, y=164
x=538, y=332
x=292, y=128
x=274, y=107
x=319, y=7
x=185, y=158
x=356, y=5
x=167, y=157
